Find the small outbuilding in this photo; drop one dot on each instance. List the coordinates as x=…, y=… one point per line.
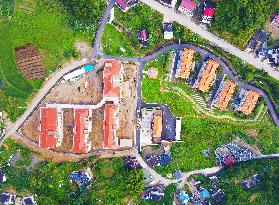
x=218, y=196
x=7, y=198
x=28, y=200
x=142, y=37
x=168, y=30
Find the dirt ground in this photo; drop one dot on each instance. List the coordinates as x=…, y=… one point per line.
x=88, y=90
x=31, y=127
x=251, y=132
x=274, y=32
x=92, y=94
x=127, y=106
x=97, y=136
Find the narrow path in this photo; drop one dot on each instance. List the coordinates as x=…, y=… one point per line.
x=41, y=95
x=96, y=44
x=185, y=21
x=157, y=178
x=226, y=69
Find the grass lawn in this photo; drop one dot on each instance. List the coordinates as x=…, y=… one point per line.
x=50, y=182
x=45, y=25
x=200, y=132
x=266, y=193
x=141, y=17
x=116, y=43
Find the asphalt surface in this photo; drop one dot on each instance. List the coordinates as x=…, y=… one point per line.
x=226, y=70
x=169, y=121
x=96, y=44
x=96, y=52
x=185, y=21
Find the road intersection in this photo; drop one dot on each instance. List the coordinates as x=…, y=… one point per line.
x=142, y=62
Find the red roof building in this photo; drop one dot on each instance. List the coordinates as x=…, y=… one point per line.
x=83, y=127
x=110, y=126
x=187, y=7
x=48, y=127
x=208, y=13
x=229, y=161
x=112, y=78
x=122, y=5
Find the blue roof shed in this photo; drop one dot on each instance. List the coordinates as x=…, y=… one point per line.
x=88, y=68
x=205, y=194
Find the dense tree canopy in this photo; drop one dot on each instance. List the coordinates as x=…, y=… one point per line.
x=237, y=19
x=85, y=14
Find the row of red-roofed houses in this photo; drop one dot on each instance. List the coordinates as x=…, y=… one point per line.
x=187, y=7
x=51, y=117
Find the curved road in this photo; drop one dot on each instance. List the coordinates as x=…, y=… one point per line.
x=96, y=45
x=185, y=21
x=226, y=69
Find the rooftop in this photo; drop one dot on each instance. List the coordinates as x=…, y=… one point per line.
x=206, y=75
x=112, y=78
x=225, y=95
x=250, y=102
x=188, y=4
x=48, y=127
x=186, y=63
x=110, y=126
x=80, y=177
x=83, y=126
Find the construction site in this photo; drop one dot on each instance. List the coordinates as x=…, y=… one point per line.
x=91, y=108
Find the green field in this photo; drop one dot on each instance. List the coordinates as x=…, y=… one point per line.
x=113, y=41
x=247, y=16
x=201, y=132
x=50, y=182
x=137, y=17
x=45, y=25
x=267, y=193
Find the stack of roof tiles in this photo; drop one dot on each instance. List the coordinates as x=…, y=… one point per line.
x=225, y=94
x=250, y=102
x=186, y=63
x=206, y=75
x=29, y=62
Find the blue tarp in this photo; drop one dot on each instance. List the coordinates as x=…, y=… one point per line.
x=205, y=194
x=80, y=178
x=88, y=68
x=165, y=159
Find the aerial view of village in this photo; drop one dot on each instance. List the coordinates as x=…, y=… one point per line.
x=138, y=102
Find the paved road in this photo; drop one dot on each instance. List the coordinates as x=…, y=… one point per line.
x=41, y=94
x=183, y=20
x=157, y=178
x=226, y=69
x=96, y=44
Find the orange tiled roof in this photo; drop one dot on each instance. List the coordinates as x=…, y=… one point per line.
x=111, y=74
x=48, y=127
x=153, y=73
x=186, y=63
x=110, y=126
x=157, y=127
x=226, y=94
x=207, y=75
x=250, y=102
x=79, y=144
